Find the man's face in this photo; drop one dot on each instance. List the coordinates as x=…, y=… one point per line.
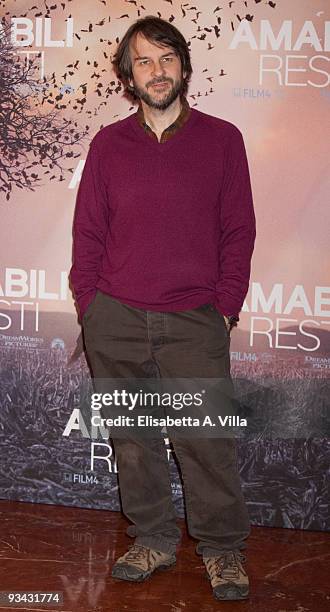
x=157, y=73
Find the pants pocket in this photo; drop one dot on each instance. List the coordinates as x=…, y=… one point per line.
x=89, y=308
x=222, y=318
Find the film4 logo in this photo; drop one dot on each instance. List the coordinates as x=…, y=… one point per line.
x=80, y=478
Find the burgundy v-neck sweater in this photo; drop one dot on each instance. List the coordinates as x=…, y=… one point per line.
x=165, y=226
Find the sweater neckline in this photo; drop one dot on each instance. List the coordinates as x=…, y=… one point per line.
x=162, y=146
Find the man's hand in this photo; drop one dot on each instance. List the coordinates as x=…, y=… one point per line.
x=227, y=322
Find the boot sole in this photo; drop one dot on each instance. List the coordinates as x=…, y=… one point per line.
x=229, y=592
x=121, y=570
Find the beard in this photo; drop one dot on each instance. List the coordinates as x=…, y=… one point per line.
x=168, y=97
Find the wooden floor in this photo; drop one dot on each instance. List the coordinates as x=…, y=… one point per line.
x=51, y=548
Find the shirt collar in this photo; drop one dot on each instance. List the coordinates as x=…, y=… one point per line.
x=171, y=129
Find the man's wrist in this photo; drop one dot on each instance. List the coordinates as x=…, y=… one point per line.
x=231, y=321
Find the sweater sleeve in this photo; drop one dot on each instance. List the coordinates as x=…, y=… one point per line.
x=90, y=225
x=237, y=229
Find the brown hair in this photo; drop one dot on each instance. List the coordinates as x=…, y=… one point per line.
x=155, y=30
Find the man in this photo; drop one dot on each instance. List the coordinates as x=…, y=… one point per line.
x=163, y=233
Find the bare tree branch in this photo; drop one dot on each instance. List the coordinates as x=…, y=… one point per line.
x=31, y=139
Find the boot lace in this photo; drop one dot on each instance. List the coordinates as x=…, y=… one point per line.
x=228, y=564
x=136, y=553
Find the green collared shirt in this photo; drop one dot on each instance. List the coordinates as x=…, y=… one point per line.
x=171, y=129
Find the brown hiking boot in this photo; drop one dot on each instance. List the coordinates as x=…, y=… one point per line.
x=228, y=578
x=139, y=562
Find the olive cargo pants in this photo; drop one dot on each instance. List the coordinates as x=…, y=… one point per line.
x=126, y=342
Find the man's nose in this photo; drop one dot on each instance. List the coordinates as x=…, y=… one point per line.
x=158, y=69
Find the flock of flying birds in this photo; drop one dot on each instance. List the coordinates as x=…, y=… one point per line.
x=63, y=94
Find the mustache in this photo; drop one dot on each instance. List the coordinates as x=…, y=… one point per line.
x=159, y=82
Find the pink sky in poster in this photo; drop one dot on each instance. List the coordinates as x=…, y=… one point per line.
x=284, y=127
